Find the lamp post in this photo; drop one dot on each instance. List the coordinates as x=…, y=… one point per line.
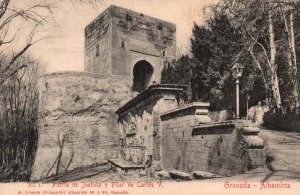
x=237, y=71
x=247, y=116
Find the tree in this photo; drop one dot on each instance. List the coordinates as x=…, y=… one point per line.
x=19, y=121
x=20, y=21
x=179, y=73
x=215, y=46
x=255, y=20
x=262, y=23
x=22, y=24
x=287, y=9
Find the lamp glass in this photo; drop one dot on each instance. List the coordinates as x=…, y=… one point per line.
x=237, y=70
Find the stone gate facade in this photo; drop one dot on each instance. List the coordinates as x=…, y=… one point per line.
x=124, y=54
x=122, y=42
x=87, y=118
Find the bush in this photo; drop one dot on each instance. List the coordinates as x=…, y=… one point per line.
x=281, y=122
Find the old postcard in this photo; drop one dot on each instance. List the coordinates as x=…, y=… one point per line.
x=104, y=97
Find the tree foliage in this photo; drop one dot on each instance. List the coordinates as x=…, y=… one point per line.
x=260, y=35
x=214, y=47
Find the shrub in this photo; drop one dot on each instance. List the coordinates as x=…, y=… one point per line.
x=282, y=122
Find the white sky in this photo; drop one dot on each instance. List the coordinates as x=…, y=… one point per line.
x=65, y=52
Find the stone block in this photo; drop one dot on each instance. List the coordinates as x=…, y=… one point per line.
x=250, y=130
x=162, y=175
x=254, y=142
x=257, y=157
x=205, y=175
x=202, y=119
x=174, y=174
x=201, y=112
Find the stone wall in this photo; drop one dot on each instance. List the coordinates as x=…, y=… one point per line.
x=119, y=38
x=77, y=112
x=139, y=122
x=137, y=37
x=188, y=145
x=97, y=53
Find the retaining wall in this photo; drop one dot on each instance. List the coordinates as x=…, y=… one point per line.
x=77, y=112
x=190, y=143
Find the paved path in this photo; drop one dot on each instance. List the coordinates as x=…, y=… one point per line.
x=285, y=148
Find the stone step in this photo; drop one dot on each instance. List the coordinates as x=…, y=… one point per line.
x=174, y=174
x=205, y=175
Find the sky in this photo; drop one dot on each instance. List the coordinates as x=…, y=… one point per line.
x=64, y=49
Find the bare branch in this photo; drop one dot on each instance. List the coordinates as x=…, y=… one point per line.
x=258, y=66
x=3, y=7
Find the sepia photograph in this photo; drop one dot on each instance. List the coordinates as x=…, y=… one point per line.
x=104, y=97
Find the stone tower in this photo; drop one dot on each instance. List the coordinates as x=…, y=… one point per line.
x=121, y=42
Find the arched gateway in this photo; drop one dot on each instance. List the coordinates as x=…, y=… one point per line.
x=121, y=42
x=142, y=74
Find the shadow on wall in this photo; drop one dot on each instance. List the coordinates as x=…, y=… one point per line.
x=212, y=131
